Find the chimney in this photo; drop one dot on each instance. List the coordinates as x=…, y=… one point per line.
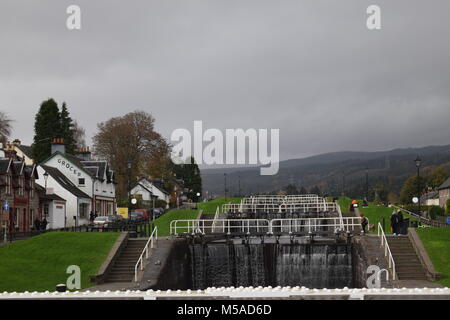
x=16, y=143
x=84, y=153
x=58, y=145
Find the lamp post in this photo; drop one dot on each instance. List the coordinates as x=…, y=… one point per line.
x=129, y=186
x=45, y=179
x=367, y=183
x=239, y=186
x=418, y=162
x=225, y=185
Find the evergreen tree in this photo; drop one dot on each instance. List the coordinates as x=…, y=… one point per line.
x=190, y=173
x=291, y=189
x=47, y=126
x=67, y=130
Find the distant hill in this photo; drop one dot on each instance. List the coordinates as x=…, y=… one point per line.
x=327, y=171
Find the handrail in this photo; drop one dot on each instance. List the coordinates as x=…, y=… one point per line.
x=387, y=250
x=435, y=224
x=216, y=216
x=258, y=225
x=151, y=239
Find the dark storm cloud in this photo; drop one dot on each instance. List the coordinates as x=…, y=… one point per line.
x=310, y=68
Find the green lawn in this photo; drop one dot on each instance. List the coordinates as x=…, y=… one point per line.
x=40, y=263
x=210, y=206
x=437, y=243
x=374, y=213
x=163, y=222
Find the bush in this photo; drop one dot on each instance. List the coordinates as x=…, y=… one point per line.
x=447, y=207
x=435, y=211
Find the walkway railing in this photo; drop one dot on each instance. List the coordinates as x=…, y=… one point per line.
x=140, y=263
x=387, y=250
x=432, y=223
x=258, y=226
x=228, y=226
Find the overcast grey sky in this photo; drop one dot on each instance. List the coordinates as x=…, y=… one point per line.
x=310, y=68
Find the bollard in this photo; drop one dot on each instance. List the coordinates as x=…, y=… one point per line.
x=61, y=288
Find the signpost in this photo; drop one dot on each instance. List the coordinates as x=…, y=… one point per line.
x=5, y=207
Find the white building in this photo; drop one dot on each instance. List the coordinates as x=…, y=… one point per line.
x=148, y=188
x=87, y=185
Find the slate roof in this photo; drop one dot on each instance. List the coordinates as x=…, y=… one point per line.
x=65, y=182
x=445, y=185
x=26, y=150
x=44, y=196
x=4, y=165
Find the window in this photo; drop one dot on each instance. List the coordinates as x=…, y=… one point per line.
x=31, y=188
x=81, y=182
x=46, y=210
x=83, y=210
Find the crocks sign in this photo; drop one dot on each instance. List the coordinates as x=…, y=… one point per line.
x=70, y=167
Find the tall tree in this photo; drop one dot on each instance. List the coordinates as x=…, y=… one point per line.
x=291, y=189
x=190, y=173
x=67, y=130
x=47, y=126
x=5, y=127
x=79, y=134
x=130, y=138
x=411, y=189
x=437, y=177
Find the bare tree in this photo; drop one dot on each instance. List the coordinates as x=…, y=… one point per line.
x=5, y=127
x=79, y=134
x=130, y=138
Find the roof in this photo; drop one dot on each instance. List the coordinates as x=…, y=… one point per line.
x=157, y=183
x=27, y=150
x=94, y=168
x=4, y=165
x=64, y=182
x=445, y=185
x=430, y=195
x=44, y=196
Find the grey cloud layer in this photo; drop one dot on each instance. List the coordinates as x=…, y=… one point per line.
x=310, y=68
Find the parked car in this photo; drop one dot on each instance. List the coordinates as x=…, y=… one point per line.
x=157, y=212
x=138, y=216
x=102, y=222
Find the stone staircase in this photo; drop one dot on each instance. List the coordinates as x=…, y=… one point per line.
x=123, y=268
x=407, y=264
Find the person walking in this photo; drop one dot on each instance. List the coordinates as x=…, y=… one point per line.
x=44, y=224
x=37, y=224
x=91, y=216
x=364, y=223
x=394, y=223
x=401, y=223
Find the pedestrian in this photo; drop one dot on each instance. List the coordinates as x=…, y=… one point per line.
x=364, y=223
x=91, y=216
x=401, y=223
x=394, y=223
x=44, y=224
x=37, y=224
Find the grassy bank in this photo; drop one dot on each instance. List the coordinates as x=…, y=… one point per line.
x=163, y=222
x=437, y=244
x=210, y=206
x=374, y=213
x=40, y=263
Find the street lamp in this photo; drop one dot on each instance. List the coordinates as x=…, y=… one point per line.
x=225, y=185
x=45, y=179
x=418, y=162
x=367, y=183
x=129, y=186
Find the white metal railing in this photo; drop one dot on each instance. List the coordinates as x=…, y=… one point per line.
x=153, y=237
x=228, y=226
x=387, y=250
x=249, y=226
x=216, y=216
x=320, y=206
